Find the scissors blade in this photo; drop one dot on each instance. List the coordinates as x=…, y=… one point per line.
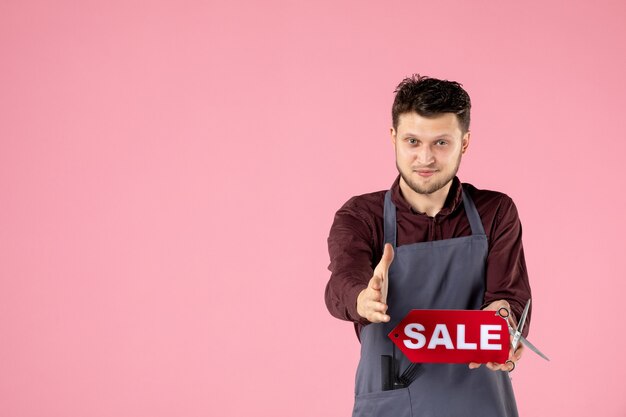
x=533, y=348
x=527, y=343
x=520, y=327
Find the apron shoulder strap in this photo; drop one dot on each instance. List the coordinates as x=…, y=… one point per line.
x=472, y=213
x=389, y=216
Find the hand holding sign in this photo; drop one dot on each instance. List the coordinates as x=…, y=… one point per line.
x=372, y=301
x=513, y=356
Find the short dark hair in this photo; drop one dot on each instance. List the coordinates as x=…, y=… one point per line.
x=428, y=97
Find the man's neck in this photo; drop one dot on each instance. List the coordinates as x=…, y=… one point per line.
x=431, y=204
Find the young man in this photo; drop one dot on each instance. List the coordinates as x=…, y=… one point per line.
x=430, y=242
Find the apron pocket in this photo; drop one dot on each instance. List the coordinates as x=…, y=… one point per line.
x=392, y=403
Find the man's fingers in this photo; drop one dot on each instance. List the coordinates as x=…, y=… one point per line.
x=370, y=305
x=518, y=352
x=497, y=305
x=491, y=365
x=376, y=306
x=494, y=366
x=376, y=317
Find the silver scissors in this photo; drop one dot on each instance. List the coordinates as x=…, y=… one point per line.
x=517, y=333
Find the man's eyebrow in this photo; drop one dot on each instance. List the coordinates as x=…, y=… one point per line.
x=447, y=135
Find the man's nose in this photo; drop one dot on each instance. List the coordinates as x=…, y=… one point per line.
x=425, y=155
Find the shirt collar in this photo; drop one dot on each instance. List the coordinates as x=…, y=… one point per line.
x=452, y=201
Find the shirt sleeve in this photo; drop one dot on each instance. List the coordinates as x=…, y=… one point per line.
x=350, y=249
x=507, y=277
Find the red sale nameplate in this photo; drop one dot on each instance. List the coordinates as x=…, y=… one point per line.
x=453, y=336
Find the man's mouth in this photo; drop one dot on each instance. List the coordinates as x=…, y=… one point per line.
x=425, y=172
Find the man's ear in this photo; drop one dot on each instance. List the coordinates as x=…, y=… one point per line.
x=392, y=132
x=465, y=142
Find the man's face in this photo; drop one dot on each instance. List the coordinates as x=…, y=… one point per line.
x=428, y=150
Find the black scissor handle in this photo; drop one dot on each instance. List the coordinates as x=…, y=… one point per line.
x=512, y=363
x=503, y=312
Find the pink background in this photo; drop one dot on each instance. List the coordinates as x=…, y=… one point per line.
x=169, y=171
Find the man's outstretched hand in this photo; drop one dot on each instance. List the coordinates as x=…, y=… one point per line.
x=372, y=301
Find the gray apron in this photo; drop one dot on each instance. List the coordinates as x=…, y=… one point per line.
x=442, y=274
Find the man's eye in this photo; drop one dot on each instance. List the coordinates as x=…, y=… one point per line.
x=412, y=141
x=442, y=142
